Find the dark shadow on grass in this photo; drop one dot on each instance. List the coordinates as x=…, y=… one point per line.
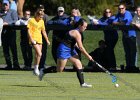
x=53, y=84
x=28, y=86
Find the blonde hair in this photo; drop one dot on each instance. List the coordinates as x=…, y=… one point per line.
x=77, y=12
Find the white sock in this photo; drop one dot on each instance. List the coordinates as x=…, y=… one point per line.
x=36, y=66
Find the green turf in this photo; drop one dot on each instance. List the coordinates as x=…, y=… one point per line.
x=23, y=85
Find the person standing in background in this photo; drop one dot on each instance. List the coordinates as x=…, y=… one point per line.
x=9, y=37
x=13, y=4
x=136, y=22
x=16, y=5
x=26, y=49
x=124, y=17
x=110, y=37
x=60, y=19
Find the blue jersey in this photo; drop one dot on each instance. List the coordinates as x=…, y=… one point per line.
x=127, y=19
x=59, y=20
x=66, y=48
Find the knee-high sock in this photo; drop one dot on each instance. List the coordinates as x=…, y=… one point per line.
x=51, y=69
x=80, y=76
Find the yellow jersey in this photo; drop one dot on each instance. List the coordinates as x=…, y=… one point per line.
x=35, y=28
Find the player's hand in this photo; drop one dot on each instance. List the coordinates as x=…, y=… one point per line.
x=48, y=42
x=33, y=42
x=90, y=58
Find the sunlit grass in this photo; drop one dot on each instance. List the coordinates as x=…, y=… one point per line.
x=23, y=85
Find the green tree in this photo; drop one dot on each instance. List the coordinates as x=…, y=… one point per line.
x=86, y=7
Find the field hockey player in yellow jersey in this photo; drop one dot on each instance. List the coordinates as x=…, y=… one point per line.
x=36, y=29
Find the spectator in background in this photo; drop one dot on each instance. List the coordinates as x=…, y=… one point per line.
x=60, y=19
x=124, y=17
x=9, y=37
x=26, y=49
x=100, y=55
x=13, y=4
x=136, y=22
x=44, y=45
x=75, y=16
x=110, y=37
x=36, y=28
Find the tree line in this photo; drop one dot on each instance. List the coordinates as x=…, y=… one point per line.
x=85, y=6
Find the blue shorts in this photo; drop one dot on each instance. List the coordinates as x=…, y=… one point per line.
x=65, y=52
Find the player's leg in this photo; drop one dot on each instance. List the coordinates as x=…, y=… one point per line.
x=20, y=4
x=38, y=53
x=61, y=63
x=77, y=63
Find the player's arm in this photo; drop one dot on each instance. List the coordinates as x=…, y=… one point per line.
x=29, y=27
x=45, y=36
x=30, y=37
x=77, y=37
x=43, y=31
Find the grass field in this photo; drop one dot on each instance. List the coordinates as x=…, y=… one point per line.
x=23, y=85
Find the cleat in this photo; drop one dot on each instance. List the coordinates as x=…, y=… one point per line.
x=27, y=68
x=86, y=85
x=41, y=75
x=36, y=72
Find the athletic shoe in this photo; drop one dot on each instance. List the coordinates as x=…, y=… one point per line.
x=36, y=71
x=27, y=68
x=86, y=85
x=16, y=67
x=41, y=75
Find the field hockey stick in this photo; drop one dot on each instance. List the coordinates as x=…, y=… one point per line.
x=1, y=27
x=114, y=78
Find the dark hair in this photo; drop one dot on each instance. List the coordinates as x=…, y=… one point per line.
x=38, y=13
x=80, y=22
x=26, y=10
